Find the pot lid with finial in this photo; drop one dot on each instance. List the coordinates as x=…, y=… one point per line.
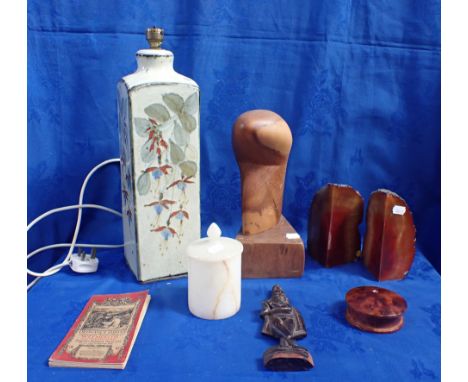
x=214, y=247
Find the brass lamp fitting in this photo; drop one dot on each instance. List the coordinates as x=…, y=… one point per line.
x=155, y=37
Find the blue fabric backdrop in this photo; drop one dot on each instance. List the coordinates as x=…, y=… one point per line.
x=357, y=81
x=175, y=346
x=359, y=84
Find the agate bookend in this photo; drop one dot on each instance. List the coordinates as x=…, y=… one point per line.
x=334, y=218
x=390, y=240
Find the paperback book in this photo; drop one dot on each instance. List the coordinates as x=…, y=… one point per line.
x=104, y=333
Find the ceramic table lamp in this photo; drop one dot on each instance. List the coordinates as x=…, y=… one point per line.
x=272, y=248
x=159, y=145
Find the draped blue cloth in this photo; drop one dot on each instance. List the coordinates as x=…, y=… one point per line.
x=358, y=83
x=173, y=345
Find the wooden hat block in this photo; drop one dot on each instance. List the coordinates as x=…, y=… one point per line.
x=272, y=248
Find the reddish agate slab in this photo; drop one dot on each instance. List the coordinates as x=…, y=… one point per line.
x=334, y=218
x=390, y=240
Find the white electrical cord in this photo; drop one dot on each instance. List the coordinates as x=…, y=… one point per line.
x=72, y=207
x=54, y=269
x=65, y=245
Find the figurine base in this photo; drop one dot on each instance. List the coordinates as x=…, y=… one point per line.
x=281, y=358
x=271, y=254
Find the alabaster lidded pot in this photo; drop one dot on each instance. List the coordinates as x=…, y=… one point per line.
x=214, y=275
x=159, y=146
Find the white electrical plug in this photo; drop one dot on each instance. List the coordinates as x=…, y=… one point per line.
x=84, y=263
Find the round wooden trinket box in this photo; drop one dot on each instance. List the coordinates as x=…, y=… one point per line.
x=375, y=309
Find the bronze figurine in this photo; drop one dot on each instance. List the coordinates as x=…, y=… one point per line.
x=284, y=322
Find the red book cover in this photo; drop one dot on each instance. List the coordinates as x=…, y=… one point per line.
x=104, y=333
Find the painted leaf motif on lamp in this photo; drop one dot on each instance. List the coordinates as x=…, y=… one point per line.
x=160, y=149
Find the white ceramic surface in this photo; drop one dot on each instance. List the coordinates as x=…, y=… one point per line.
x=160, y=144
x=214, y=276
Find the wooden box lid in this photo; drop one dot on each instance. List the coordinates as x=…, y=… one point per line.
x=375, y=309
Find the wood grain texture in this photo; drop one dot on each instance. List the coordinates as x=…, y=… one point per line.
x=262, y=141
x=295, y=359
x=333, y=231
x=390, y=239
x=284, y=322
x=270, y=254
x=375, y=309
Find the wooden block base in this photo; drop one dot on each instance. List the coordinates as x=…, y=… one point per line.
x=271, y=254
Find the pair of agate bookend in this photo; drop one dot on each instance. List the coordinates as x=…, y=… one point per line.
x=284, y=322
x=272, y=248
x=333, y=233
